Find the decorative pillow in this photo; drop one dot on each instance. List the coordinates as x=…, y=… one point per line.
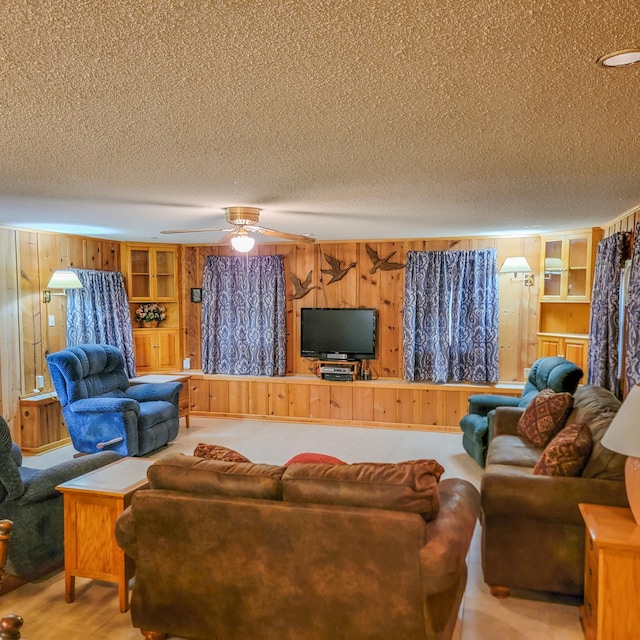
x=314, y=457
x=545, y=416
x=218, y=452
x=568, y=452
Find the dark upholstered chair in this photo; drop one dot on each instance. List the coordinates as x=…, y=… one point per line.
x=553, y=372
x=28, y=497
x=100, y=408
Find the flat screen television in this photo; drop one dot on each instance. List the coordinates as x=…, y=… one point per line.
x=338, y=333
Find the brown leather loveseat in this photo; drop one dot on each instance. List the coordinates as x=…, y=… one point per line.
x=533, y=535
x=232, y=551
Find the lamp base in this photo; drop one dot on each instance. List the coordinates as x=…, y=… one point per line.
x=632, y=484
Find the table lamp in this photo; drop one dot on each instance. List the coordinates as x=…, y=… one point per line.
x=623, y=436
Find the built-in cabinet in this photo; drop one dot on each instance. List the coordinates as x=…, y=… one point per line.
x=567, y=262
x=151, y=273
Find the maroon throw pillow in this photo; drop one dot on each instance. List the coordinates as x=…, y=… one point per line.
x=567, y=454
x=545, y=416
x=218, y=452
x=314, y=457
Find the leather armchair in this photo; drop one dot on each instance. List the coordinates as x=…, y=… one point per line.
x=552, y=372
x=29, y=498
x=103, y=411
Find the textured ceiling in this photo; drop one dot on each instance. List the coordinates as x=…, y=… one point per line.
x=346, y=119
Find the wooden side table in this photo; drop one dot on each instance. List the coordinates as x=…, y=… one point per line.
x=92, y=504
x=612, y=573
x=184, y=401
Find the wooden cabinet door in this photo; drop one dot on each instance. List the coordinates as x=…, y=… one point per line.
x=548, y=346
x=155, y=350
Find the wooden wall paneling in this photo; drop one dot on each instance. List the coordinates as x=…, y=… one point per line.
x=10, y=331
x=258, y=398
x=190, y=320
x=219, y=396
x=453, y=405
x=362, y=403
x=298, y=400
x=319, y=401
x=238, y=396
x=278, y=399
x=369, y=291
x=30, y=309
x=391, y=296
x=93, y=254
x=76, y=247
x=299, y=263
x=111, y=256
x=384, y=404
x=408, y=408
x=429, y=406
x=341, y=401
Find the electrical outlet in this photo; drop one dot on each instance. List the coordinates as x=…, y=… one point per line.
x=39, y=382
x=186, y=363
x=52, y=320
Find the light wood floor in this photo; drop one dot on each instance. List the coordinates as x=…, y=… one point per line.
x=94, y=614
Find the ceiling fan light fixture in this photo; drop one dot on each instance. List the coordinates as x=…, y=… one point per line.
x=242, y=242
x=620, y=58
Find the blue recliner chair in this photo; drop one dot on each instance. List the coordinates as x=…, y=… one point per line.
x=28, y=497
x=103, y=411
x=551, y=372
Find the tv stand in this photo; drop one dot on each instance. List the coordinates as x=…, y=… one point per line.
x=338, y=370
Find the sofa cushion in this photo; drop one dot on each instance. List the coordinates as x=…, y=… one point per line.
x=218, y=452
x=545, y=416
x=567, y=453
x=314, y=457
x=596, y=406
x=513, y=450
x=177, y=472
x=404, y=486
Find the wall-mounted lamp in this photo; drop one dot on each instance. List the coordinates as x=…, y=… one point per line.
x=516, y=266
x=242, y=241
x=61, y=280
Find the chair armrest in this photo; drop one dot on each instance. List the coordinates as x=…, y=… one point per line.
x=505, y=421
x=146, y=392
x=482, y=403
x=42, y=483
x=105, y=404
x=443, y=557
x=126, y=533
x=516, y=492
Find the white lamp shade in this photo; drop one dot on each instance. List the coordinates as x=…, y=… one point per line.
x=242, y=242
x=623, y=434
x=553, y=264
x=516, y=265
x=64, y=280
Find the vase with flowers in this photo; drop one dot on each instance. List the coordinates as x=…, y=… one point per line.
x=150, y=315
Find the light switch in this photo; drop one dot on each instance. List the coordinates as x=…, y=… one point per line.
x=52, y=320
x=39, y=382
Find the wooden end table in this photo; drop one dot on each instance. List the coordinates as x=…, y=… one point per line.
x=92, y=504
x=612, y=573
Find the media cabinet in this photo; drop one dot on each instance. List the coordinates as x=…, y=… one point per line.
x=377, y=403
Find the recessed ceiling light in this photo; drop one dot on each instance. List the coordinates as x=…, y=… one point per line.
x=619, y=58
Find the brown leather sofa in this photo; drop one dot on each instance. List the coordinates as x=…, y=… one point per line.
x=533, y=536
x=317, y=551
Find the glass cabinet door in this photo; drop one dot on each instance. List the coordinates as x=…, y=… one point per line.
x=165, y=276
x=553, y=267
x=577, y=259
x=140, y=274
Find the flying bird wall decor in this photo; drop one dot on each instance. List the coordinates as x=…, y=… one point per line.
x=382, y=263
x=337, y=271
x=301, y=287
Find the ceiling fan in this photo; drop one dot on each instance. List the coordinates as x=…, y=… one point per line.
x=244, y=220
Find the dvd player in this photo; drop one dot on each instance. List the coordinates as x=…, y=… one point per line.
x=337, y=377
x=325, y=369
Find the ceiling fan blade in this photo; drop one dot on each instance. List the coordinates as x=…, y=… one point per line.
x=280, y=234
x=194, y=230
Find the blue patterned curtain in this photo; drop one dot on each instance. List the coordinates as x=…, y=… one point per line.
x=632, y=324
x=244, y=316
x=99, y=314
x=605, y=312
x=450, y=316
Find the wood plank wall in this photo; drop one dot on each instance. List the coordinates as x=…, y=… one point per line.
x=382, y=290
